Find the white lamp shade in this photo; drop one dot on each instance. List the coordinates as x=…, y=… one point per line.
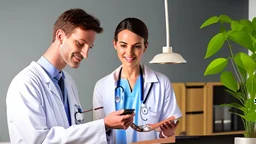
x=168, y=57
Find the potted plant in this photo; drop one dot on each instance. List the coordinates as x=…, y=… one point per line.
x=241, y=81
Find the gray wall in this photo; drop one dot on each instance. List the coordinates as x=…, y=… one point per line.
x=25, y=28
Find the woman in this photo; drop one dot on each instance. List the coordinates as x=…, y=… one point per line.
x=135, y=86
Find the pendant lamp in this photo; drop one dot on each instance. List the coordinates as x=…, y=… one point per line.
x=168, y=56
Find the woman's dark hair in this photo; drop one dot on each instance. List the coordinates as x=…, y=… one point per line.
x=134, y=25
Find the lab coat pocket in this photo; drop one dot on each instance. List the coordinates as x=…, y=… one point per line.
x=153, y=114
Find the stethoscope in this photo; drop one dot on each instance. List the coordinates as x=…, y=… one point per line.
x=79, y=119
x=143, y=107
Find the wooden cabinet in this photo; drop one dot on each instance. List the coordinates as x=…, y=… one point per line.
x=180, y=93
x=218, y=119
x=197, y=102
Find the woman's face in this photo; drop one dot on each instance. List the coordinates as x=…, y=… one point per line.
x=130, y=48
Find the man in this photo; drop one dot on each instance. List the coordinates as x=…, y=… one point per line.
x=42, y=99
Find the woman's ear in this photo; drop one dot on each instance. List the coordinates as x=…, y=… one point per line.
x=114, y=43
x=146, y=47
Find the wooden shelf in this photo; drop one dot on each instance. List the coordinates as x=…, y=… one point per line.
x=196, y=101
x=227, y=133
x=195, y=84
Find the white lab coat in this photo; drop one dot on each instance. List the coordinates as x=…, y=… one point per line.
x=161, y=101
x=36, y=114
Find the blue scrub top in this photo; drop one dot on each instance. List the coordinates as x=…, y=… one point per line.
x=129, y=100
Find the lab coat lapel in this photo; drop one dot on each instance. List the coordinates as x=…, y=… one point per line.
x=71, y=99
x=53, y=89
x=45, y=78
x=111, y=105
x=149, y=77
x=112, y=82
x=111, y=97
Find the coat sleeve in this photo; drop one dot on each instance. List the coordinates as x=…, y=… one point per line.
x=27, y=121
x=170, y=107
x=98, y=101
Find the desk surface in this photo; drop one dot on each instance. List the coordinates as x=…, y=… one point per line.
x=161, y=140
x=209, y=139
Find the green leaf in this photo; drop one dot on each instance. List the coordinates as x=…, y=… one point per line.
x=210, y=21
x=229, y=81
x=246, y=62
x=225, y=18
x=236, y=95
x=215, y=44
x=253, y=34
x=216, y=66
x=253, y=56
x=236, y=26
x=254, y=23
x=247, y=25
x=251, y=84
x=251, y=117
x=242, y=72
x=241, y=38
x=235, y=105
x=253, y=38
x=242, y=116
x=222, y=29
x=250, y=106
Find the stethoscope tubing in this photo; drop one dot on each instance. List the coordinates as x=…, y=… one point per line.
x=143, y=109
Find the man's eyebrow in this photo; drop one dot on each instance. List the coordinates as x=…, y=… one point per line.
x=122, y=42
x=137, y=43
x=83, y=40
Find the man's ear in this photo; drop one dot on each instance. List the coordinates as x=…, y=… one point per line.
x=114, y=43
x=59, y=36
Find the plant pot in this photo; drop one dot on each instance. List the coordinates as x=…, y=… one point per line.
x=243, y=140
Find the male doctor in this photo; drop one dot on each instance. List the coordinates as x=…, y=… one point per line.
x=42, y=99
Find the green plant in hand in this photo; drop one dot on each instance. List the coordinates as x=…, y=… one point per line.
x=241, y=82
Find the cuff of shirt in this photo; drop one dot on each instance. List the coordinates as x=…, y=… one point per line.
x=164, y=136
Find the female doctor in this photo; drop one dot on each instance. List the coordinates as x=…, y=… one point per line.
x=135, y=86
x=38, y=111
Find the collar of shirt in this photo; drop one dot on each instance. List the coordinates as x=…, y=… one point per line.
x=50, y=69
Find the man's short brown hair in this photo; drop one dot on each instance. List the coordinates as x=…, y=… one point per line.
x=74, y=18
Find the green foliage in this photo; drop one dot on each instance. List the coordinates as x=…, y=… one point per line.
x=216, y=66
x=228, y=80
x=241, y=82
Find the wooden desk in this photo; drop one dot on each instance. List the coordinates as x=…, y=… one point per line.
x=156, y=141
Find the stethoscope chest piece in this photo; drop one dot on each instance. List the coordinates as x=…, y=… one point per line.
x=144, y=109
x=117, y=99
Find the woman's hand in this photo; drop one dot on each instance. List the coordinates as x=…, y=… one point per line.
x=168, y=129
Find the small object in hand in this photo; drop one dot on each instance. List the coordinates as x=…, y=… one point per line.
x=128, y=111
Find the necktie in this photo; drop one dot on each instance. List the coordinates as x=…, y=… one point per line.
x=64, y=99
x=61, y=85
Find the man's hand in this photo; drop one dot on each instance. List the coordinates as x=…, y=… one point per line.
x=168, y=129
x=117, y=121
